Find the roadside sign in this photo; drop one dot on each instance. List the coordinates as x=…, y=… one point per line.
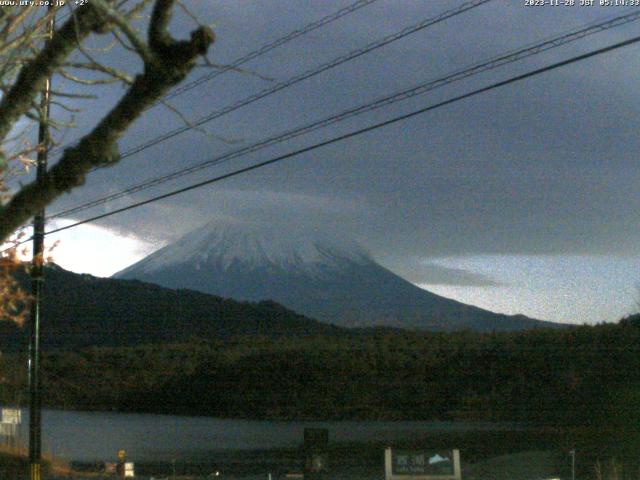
x=315, y=453
x=11, y=415
x=8, y=429
x=422, y=464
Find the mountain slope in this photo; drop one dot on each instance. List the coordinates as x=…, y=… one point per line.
x=82, y=310
x=317, y=273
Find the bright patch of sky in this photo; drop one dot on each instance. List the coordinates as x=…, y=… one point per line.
x=96, y=250
x=533, y=168
x=572, y=289
x=91, y=249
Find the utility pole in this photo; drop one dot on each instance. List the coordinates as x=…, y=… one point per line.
x=573, y=464
x=37, y=278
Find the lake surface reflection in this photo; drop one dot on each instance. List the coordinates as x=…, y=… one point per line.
x=87, y=436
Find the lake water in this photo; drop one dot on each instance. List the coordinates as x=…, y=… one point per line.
x=87, y=436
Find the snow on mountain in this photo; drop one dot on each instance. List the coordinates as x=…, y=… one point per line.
x=223, y=243
x=312, y=270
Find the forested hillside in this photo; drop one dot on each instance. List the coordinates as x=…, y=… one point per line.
x=546, y=376
x=583, y=383
x=84, y=311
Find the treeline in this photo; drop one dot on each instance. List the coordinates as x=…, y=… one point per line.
x=545, y=376
x=584, y=379
x=84, y=311
x=573, y=377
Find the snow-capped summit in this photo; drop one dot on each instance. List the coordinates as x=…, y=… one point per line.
x=313, y=270
x=226, y=244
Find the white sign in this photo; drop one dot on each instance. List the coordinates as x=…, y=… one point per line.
x=422, y=465
x=11, y=415
x=128, y=469
x=8, y=429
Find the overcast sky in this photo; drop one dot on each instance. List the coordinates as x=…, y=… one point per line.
x=521, y=200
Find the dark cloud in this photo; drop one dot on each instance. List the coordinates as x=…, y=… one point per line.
x=429, y=274
x=547, y=166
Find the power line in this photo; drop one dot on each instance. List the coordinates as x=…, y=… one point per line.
x=270, y=46
x=360, y=131
x=264, y=49
x=309, y=73
x=483, y=66
x=306, y=75
x=357, y=5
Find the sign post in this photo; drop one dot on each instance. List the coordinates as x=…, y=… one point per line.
x=120, y=467
x=422, y=464
x=316, y=441
x=11, y=418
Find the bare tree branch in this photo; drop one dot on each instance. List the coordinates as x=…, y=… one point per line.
x=86, y=96
x=98, y=67
x=87, y=81
x=169, y=62
x=122, y=42
x=123, y=24
x=195, y=127
x=33, y=76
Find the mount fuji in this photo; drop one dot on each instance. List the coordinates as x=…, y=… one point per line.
x=315, y=272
